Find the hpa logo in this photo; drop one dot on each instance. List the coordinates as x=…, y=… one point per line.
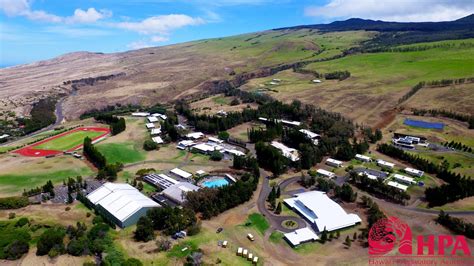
x=391, y=237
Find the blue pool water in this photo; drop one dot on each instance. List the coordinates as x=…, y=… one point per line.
x=216, y=183
x=423, y=124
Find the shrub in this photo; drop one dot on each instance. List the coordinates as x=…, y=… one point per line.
x=11, y=215
x=51, y=241
x=216, y=156
x=234, y=102
x=67, y=209
x=13, y=203
x=22, y=222
x=16, y=249
x=149, y=145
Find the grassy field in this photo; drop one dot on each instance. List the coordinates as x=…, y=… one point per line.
x=68, y=141
x=462, y=163
x=377, y=81
x=121, y=152
x=257, y=221
x=16, y=183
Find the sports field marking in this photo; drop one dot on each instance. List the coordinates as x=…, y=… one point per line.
x=68, y=141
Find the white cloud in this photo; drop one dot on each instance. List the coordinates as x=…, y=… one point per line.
x=160, y=24
x=14, y=8
x=159, y=39
x=394, y=10
x=88, y=16
x=139, y=45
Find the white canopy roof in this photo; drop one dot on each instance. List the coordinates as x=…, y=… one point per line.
x=397, y=185
x=120, y=200
x=317, y=207
x=152, y=119
x=150, y=125
x=301, y=235
x=181, y=173
x=157, y=140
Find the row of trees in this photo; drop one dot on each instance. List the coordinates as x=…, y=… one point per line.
x=445, y=113
x=378, y=188
x=456, y=225
x=116, y=124
x=417, y=48
x=434, y=83
x=458, y=146
x=339, y=75
x=15, y=202
x=106, y=170
x=212, y=201
x=41, y=115
x=168, y=220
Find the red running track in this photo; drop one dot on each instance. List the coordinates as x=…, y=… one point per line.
x=30, y=151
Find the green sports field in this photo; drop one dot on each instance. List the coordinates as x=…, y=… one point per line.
x=68, y=141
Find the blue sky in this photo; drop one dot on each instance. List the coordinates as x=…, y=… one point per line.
x=32, y=30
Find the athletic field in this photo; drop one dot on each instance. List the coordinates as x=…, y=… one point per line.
x=67, y=141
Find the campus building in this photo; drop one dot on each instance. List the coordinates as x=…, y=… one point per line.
x=321, y=211
x=121, y=203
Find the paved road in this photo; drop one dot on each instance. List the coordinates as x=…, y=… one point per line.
x=59, y=118
x=275, y=220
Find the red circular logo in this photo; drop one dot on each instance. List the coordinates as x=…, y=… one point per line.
x=388, y=233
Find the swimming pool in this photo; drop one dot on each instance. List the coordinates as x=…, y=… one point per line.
x=423, y=124
x=216, y=183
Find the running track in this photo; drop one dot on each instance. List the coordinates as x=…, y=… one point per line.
x=30, y=151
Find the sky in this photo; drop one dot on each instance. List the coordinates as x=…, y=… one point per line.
x=32, y=30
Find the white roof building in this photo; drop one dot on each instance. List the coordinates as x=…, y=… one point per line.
x=311, y=135
x=414, y=172
x=157, y=140
x=150, y=125
x=4, y=136
x=369, y=176
x=160, y=180
x=177, y=192
x=383, y=163
x=326, y=173
x=397, y=185
x=156, y=131
x=301, y=236
x=162, y=116
x=333, y=162
x=123, y=203
x=200, y=172
x=195, y=135
x=231, y=178
x=204, y=148
x=404, y=179
x=140, y=114
x=291, y=123
x=363, y=158
x=321, y=211
x=152, y=119
x=185, y=144
x=215, y=140
x=222, y=113
x=264, y=119
x=316, y=81
x=181, y=173
x=288, y=152
x=234, y=152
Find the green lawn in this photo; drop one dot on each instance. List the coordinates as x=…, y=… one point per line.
x=68, y=141
x=222, y=100
x=121, y=152
x=17, y=183
x=259, y=222
x=276, y=237
x=462, y=163
x=401, y=70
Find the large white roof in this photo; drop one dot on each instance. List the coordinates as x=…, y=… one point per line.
x=288, y=152
x=195, y=135
x=301, y=235
x=177, y=192
x=317, y=207
x=325, y=173
x=397, y=185
x=120, y=200
x=152, y=119
x=181, y=173
x=309, y=134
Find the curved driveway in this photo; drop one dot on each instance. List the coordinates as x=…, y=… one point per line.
x=275, y=220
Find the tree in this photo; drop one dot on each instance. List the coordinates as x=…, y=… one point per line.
x=354, y=237
x=51, y=238
x=278, y=208
x=324, y=236
x=224, y=135
x=348, y=242
x=140, y=186
x=278, y=192
x=338, y=234
x=15, y=249
x=331, y=236
x=144, y=231
x=234, y=102
x=216, y=156
x=149, y=145
x=70, y=199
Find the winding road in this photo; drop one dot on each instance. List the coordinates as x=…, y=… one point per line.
x=275, y=220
